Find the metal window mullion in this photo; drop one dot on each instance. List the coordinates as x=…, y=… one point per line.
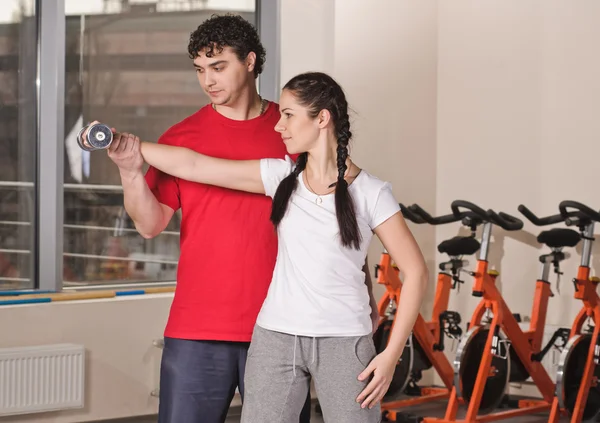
x=50, y=137
x=268, y=21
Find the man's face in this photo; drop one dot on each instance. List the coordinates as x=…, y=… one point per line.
x=223, y=76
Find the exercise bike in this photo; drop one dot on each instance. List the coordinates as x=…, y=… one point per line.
x=425, y=346
x=578, y=376
x=495, y=350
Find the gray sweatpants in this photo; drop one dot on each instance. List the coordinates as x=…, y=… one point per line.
x=279, y=368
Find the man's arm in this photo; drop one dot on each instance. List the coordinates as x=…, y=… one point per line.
x=148, y=214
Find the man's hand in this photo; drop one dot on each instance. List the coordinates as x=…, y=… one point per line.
x=149, y=215
x=125, y=152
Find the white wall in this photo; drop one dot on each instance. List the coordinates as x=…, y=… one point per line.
x=307, y=37
x=122, y=365
x=517, y=103
x=488, y=126
x=385, y=58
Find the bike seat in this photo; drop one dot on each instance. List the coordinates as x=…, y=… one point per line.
x=559, y=237
x=459, y=245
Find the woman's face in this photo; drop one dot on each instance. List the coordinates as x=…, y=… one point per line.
x=298, y=130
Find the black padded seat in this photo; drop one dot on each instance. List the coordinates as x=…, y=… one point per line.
x=459, y=246
x=559, y=237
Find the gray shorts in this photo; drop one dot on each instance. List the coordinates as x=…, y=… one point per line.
x=279, y=369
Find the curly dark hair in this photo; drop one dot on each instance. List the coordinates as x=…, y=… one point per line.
x=228, y=30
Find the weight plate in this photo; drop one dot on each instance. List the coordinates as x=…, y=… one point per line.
x=80, y=141
x=571, y=366
x=466, y=367
x=100, y=136
x=404, y=367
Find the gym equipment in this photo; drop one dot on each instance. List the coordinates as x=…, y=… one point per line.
x=577, y=385
x=425, y=346
x=485, y=363
x=99, y=137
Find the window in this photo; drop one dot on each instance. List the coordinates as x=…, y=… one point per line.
x=62, y=222
x=18, y=143
x=126, y=65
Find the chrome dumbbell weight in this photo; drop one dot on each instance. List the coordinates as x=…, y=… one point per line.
x=99, y=137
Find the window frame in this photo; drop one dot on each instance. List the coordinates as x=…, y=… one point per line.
x=48, y=248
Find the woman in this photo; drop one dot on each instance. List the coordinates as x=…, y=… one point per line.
x=315, y=322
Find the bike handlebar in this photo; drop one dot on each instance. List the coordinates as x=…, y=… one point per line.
x=439, y=220
x=540, y=221
x=583, y=212
x=474, y=210
x=408, y=214
x=504, y=220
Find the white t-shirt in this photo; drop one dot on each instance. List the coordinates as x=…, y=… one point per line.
x=318, y=286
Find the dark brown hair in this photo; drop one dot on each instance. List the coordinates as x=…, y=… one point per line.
x=318, y=91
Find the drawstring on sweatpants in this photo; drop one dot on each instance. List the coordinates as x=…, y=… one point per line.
x=295, y=339
x=314, y=352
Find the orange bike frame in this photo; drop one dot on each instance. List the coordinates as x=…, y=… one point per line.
x=524, y=344
x=586, y=292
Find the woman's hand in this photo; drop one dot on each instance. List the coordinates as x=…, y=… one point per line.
x=382, y=367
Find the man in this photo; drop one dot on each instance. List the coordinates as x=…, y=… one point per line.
x=228, y=244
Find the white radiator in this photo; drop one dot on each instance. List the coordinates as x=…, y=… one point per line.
x=41, y=378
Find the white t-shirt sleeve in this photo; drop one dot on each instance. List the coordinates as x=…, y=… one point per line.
x=273, y=171
x=385, y=206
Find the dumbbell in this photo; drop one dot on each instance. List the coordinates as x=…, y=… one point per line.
x=99, y=137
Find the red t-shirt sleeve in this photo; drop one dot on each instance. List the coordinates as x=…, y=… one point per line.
x=164, y=187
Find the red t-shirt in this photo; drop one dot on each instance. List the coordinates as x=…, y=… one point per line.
x=228, y=244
